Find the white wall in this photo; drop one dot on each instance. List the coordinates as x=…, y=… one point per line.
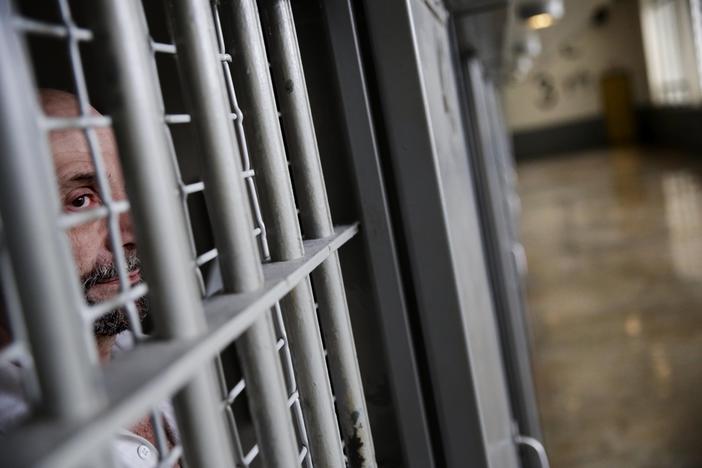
x=575, y=78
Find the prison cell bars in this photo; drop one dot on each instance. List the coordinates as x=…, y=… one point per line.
x=240, y=267
x=42, y=259
x=113, y=215
x=177, y=310
x=280, y=215
x=282, y=343
x=237, y=116
x=316, y=222
x=184, y=193
x=114, y=210
x=185, y=190
x=281, y=278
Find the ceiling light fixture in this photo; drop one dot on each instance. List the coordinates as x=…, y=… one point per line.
x=540, y=14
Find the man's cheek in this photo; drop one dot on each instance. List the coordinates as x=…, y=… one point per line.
x=84, y=249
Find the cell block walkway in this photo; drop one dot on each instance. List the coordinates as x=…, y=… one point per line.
x=614, y=244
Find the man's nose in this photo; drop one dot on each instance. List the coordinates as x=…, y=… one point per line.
x=126, y=228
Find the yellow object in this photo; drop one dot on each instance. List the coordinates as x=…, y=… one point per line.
x=618, y=106
x=544, y=20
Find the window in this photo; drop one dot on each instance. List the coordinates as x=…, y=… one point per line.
x=671, y=34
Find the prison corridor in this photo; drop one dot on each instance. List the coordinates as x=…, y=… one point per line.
x=614, y=292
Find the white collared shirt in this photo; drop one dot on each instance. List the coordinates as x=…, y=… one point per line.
x=129, y=450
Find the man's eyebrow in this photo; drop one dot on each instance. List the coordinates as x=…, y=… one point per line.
x=87, y=178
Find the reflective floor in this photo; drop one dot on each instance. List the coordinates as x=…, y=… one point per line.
x=614, y=244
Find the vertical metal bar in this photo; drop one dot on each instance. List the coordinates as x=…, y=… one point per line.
x=202, y=78
x=38, y=250
x=240, y=136
x=388, y=290
x=231, y=222
x=287, y=73
x=176, y=307
x=64, y=356
x=307, y=352
x=285, y=240
x=489, y=167
x=315, y=217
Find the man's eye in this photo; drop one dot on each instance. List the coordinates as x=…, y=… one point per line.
x=81, y=202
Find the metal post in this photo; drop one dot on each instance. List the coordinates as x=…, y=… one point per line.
x=386, y=280
x=176, y=307
x=285, y=241
x=426, y=156
x=315, y=217
x=38, y=250
x=232, y=226
x=64, y=355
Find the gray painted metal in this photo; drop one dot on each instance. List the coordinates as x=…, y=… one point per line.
x=231, y=223
x=315, y=218
x=428, y=153
x=59, y=344
x=482, y=32
x=288, y=76
x=285, y=241
x=112, y=220
x=18, y=351
x=64, y=356
x=537, y=447
x=492, y=169
x=154, y=370
x=176, y=308
x=378, y=236
x=463, y=7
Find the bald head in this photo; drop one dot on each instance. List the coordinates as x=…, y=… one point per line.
x=57, y=103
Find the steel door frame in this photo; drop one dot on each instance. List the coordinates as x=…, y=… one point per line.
x=418, y=184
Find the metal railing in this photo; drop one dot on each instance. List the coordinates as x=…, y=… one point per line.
x=266, y=305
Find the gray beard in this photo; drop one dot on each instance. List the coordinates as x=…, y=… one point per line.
x=117, y=320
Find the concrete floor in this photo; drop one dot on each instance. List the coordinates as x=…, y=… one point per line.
x=614, y=245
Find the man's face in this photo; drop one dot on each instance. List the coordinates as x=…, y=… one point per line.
x=78, y=191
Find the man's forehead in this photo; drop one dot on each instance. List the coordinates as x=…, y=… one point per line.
x=75, y=140
x=73, y=145
x=70, y=146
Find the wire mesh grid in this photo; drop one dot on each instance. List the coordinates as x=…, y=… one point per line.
x=299, y=208
x=245, y=455
x=293, y=393
x=108, y=210
x=185, y=191
x=248, y=173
